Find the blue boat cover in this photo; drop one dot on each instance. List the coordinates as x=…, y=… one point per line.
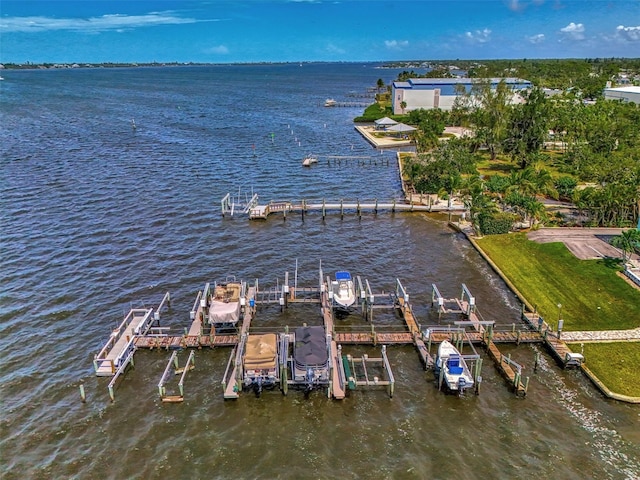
x=343, y=276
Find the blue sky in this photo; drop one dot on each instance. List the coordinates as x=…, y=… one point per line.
x=225, y=31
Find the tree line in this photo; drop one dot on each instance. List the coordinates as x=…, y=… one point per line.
x=561, y=147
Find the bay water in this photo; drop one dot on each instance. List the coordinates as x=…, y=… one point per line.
x=98, y=216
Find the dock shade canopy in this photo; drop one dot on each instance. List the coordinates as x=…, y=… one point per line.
x=401, y=127
x=384, y=122
x=311, y=346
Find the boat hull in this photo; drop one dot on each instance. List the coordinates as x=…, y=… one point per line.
x=343, y=291
x=452, y=369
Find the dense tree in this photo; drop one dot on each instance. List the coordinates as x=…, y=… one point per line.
x=527, y=127
x=491, y=114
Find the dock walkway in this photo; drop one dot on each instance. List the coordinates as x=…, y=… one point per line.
x=261, y=212
x=120, y=347
x=337, y=388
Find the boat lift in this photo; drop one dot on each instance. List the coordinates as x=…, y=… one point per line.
x=229, y=204
x=173, y=360
x=117, y=353
x=360, y=372
x=459, y=338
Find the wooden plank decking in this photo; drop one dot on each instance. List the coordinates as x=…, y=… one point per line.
x=232, y=389
x=337, y=386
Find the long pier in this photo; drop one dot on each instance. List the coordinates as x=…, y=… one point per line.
x=261, y=212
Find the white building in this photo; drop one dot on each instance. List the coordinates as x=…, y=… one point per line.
x=441, y=93
x=625, y=94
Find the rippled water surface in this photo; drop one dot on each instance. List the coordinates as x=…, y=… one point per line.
x=98, y=216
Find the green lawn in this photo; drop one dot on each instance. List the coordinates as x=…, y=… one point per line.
x=592, y=296
x=504, y=165
x=615, y=364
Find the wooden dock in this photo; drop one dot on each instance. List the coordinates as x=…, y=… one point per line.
x=261, y=212
x=119, y=349
x=338, y=381
x=416, y=334
x=231, y=387
x=138, y=332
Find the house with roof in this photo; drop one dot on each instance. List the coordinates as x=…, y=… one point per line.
x=428, y=93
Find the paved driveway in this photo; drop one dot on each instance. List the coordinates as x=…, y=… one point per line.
x=584, y=243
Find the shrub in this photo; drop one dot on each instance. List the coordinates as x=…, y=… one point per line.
x=565, y=186
x=496, y=223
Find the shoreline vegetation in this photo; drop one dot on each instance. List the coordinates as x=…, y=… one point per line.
x=557, y=159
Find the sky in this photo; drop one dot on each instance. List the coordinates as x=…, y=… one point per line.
x=230, y=31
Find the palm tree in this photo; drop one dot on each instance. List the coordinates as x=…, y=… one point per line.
x=534, y=209
x=627, y=242
x=403, y=105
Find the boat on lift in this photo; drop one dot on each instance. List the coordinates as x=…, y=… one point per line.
x=343, y=290
x=455, y=372
x=224, y=304
x=309, y=160
x=260, y=362
x=310, y=366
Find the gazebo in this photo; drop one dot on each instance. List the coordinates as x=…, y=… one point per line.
x=401, y=128
x=384, y=122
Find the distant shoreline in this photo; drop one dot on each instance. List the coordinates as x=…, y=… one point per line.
x=78, y=65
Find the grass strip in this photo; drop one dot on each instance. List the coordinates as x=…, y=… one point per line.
x=592, y=295
x=615, y=364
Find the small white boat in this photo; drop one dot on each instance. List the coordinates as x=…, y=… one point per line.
x=309, y=160
x=343, y=290
x=330, y=102
x=224, y=305
x=455, y=373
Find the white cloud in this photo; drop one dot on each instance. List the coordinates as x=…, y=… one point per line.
x=116, y=22
x=574, y=31
x=396, y=44
x=218, y=50
x=515, y=6
x=631, y=34
x=331, y=48
x=479, y=36
x=539, y=38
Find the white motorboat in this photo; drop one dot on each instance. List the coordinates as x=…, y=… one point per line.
x=455, y=373
x=343, y=290
x=330, y=102
x=309, y=160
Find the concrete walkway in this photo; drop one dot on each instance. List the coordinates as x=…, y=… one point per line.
x=632, y=335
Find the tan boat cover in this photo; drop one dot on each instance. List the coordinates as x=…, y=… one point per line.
x=222, y=312
x=261, y=352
